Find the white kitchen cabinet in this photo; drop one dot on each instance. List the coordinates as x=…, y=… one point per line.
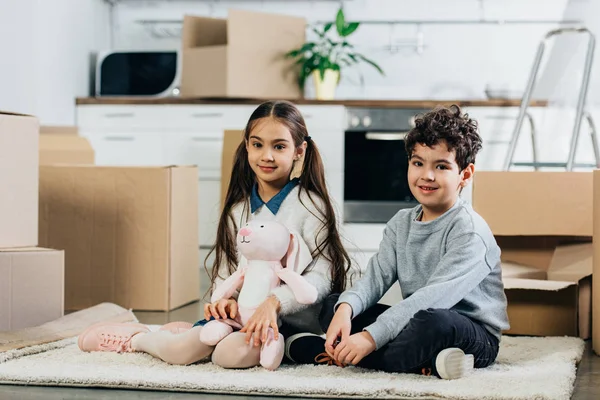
x=127, y=148
x=123, y=118
x=326, y=125
x=201, y=148
x=200, y=118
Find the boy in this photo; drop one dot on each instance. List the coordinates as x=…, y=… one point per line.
x=447, y=263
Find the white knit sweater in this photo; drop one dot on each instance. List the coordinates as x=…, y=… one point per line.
x=297, y=213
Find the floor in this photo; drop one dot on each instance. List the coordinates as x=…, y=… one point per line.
x=587, y=386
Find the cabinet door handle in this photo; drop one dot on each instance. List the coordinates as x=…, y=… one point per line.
x=119, y=138
x=204, y=139
x=119, y=115
x=207, y=115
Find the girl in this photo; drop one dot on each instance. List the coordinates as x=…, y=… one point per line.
x=275, y=139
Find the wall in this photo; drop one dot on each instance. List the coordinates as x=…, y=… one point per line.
x=458, y=60
x=48, y=43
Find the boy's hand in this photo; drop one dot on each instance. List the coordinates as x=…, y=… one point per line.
x=338, y=328
x=264, y=317
x=355, y=348
x=224, y=308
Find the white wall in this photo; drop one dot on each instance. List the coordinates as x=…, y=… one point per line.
x=458, y=61
x=45, y=50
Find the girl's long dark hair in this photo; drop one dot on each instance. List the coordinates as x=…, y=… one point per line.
x=312, y=182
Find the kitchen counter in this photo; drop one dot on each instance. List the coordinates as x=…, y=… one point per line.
x=347, y=103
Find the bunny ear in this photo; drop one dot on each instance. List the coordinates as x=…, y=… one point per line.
x=298, y=255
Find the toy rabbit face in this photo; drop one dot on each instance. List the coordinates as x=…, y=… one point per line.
x=263, y=240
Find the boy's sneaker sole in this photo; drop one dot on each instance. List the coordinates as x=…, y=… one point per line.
x=303, y=348
x=453, y=363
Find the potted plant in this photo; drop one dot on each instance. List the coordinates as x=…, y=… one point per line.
x=325, y=57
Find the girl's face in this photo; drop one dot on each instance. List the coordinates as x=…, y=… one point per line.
x=271, y=152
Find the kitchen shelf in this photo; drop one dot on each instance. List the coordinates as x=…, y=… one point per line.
x=404, y=22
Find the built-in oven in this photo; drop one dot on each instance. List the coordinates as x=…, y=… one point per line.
x=376, y=163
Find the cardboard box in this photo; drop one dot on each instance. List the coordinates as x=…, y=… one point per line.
x=552, y=301
x=241, y=56
x=31, y=287
x=63, y=145
x=18, y=180
x=130, y=234
x=596, y=288
x=539, y=221
x=231, y=141
x=535, y=203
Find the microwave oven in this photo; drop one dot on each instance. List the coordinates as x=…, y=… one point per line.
x=152, y=73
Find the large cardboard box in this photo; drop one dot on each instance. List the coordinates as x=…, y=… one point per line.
x=31, y=287
x=231, y=141
x=540, y=222
x=596, y=288
x=130, y=234
x=63, y=145
x=18, y=180
x=241, y=56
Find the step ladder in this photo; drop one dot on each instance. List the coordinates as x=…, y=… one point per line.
x=580, y=114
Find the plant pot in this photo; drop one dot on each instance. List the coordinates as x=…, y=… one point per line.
x=325, y=88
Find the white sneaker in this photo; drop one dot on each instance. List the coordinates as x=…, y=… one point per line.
x=453, y=363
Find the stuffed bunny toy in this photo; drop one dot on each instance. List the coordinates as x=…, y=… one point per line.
x=263, y=246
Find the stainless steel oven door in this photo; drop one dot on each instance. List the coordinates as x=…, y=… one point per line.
x=375, y=181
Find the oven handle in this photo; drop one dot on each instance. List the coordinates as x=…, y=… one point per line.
x=386, y=135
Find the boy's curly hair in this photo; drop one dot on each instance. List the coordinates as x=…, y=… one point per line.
x=448, y=124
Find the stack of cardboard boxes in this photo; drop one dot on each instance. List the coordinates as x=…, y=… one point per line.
x=127, y=235
x=31, y=277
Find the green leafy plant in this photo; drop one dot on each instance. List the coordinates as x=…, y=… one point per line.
x=326, y=53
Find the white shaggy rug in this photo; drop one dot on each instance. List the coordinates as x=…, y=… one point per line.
x=527, y=368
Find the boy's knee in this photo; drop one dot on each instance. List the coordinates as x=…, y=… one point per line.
x=435, y=320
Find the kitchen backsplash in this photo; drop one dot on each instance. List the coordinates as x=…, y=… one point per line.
x=456, y=60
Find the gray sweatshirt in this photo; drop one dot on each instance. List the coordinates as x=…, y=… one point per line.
x=452, y=262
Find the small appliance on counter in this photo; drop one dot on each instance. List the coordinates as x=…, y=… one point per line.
x=151, y=73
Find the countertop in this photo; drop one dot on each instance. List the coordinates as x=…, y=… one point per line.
x=347, y=103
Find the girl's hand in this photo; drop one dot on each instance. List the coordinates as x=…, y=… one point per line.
x=339, y=328
x=224, y=308
x=264, y=317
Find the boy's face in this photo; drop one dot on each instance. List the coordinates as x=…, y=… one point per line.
x=434, y=178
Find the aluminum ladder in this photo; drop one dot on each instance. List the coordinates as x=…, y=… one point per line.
x=580, y=114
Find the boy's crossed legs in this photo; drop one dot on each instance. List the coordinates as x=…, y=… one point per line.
x=431, y=337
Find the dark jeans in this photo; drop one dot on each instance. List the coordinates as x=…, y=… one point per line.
x=426, y=334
